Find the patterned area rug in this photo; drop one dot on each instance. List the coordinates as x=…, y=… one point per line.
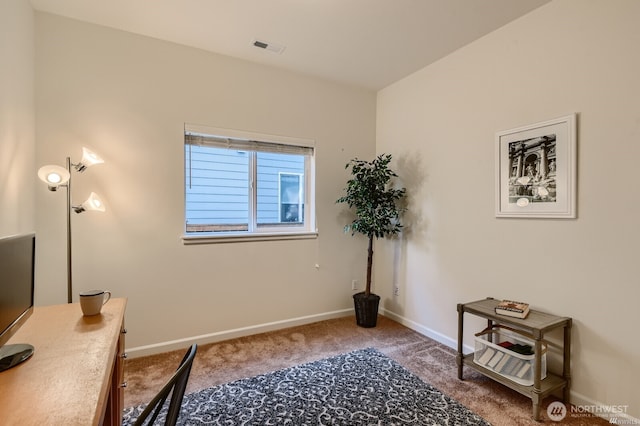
x=363, y=387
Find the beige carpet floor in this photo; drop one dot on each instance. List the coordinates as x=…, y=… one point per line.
x=433, y=362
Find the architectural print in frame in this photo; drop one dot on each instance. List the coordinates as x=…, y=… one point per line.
x=536, y=170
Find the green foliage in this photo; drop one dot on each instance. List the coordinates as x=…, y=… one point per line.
x=376, y=205
x=375, y=202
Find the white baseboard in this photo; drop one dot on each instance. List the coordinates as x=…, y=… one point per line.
x=426, y=331
x=204, y=339
x=581, y=402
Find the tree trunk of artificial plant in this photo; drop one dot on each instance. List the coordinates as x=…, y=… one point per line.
x=367, y=289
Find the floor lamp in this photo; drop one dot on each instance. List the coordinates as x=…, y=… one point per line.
x=57, y=176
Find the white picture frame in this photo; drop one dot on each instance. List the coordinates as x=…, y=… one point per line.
x=536, y=170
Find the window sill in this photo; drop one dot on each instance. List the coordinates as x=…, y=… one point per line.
x=210, y=238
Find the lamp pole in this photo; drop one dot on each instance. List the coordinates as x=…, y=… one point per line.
x=69, y=272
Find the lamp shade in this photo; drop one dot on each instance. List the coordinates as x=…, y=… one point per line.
x=89, y=158
x=53, y=175
x=94, y=203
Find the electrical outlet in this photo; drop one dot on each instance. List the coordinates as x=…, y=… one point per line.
x=354, y=284
x=396, y=290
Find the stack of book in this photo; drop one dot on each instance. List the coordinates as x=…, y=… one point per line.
x=511, y=308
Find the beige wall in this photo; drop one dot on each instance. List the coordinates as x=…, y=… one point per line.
x=17, y=120
x=128, y=98
x=440, y=123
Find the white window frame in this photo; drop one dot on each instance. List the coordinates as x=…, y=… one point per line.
x=301, y=189
x=213, y=136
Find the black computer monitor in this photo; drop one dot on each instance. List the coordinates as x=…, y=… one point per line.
x=17, y=279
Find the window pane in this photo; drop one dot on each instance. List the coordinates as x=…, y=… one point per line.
x=217, y=189
x=280, y=189
x=291, y=197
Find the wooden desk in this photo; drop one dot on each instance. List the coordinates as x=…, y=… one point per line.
x=75, y=374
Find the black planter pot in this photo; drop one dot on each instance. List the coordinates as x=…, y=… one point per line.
x=366, y=309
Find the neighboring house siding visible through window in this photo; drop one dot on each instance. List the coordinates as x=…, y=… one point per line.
x=273, y=187
x=217, y=189
x=235, y=186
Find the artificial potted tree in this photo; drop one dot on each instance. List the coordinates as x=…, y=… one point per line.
x=377, y=209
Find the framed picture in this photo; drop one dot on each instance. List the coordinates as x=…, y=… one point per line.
x=536, y=170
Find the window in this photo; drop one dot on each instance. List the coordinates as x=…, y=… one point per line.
x=291, y=195
x=247, y=185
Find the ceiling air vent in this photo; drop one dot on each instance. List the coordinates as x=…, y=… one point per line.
x=272, y=47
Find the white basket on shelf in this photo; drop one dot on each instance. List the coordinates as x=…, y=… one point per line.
x=492, y=352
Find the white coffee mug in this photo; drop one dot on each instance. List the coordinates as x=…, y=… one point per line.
x=91, y=301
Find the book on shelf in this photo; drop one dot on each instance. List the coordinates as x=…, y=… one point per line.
x=496, y=358
x=486, y=356
x=503, y=362
x=515, y=367
x=506, y=368
x=522, y=349
x=512, y=308
x=523, y=370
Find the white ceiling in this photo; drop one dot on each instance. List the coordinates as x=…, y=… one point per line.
x=368, y=43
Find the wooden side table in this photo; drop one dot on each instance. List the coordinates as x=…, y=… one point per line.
x=537, y=324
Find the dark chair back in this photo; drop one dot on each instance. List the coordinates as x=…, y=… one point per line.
x=177, y=383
